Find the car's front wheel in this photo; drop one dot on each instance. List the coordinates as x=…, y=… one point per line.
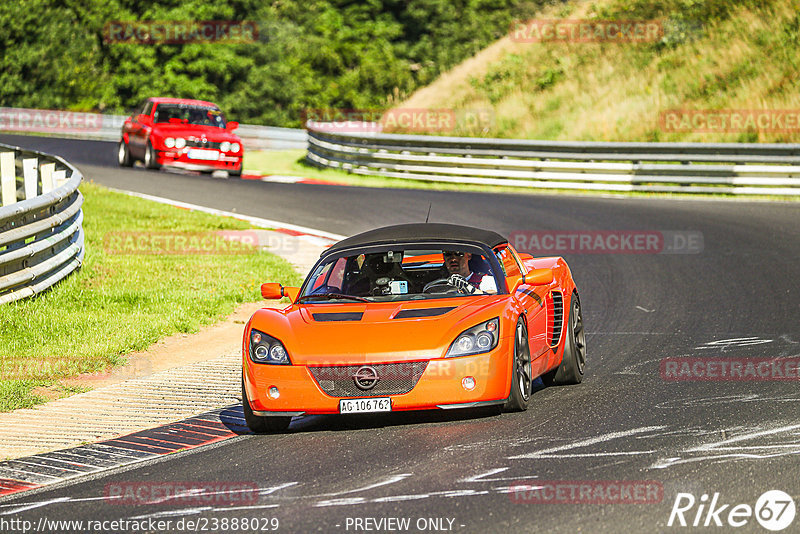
x=259, y=424
x=150, y=157
x=124, y=155
x=521, y=380
x=574, y=361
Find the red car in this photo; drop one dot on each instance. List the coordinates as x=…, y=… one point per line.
x=178, y=132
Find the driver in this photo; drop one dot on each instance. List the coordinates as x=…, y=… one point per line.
x=466, y=281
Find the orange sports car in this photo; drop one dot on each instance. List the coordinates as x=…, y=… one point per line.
x=413, y=317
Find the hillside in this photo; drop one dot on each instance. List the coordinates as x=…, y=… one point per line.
x=713, y=55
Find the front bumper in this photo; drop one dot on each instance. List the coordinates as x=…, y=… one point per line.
x=180, y=159
x=439, y=387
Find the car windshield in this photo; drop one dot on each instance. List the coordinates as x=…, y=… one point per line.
x=190, y=114
x=400, y=274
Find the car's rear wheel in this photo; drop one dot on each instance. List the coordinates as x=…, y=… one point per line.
x=259, y=424
x=521, y=380
x=572, y=366
x=150, y=157
x=124, y=155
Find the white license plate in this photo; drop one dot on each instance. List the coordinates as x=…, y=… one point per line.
x=376, y=404
x=199, y=153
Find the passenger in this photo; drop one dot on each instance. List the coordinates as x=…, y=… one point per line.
x=463, y=278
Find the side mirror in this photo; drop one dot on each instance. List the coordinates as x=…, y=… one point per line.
x=144, y=119
x=275, y=291
x=538, y=277
x=524, y=256
x=231, y=126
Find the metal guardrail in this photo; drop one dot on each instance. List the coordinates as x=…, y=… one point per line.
x=103, y=127
x=41, y=237
x=721, y=168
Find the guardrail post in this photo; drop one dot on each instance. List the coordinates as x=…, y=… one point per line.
x=47, y=171
x=30, y=171
x=8, y=178
x=59, y=177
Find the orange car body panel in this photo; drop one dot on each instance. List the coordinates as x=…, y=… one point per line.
x=378, y=337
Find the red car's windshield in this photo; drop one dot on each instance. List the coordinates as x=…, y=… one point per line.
x=189, y=114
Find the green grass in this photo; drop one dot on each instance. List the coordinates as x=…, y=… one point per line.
x=293, y=163
x=713, y=55
x=118, y=303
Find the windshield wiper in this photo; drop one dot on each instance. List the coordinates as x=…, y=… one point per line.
x=340, y=296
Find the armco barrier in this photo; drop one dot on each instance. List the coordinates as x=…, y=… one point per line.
x=103, y=127
x=41, y=237
x=727, y=168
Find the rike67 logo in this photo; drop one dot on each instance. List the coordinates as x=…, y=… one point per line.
x=774, y=510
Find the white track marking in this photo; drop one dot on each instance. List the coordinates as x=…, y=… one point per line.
x=724, y=344
x=390, y=480
x=255, y=221
x=35, y=505
x=709, y=451
x=587, y=442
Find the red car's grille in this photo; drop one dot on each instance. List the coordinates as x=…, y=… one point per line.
x=199, y=143
x=392, y=378
x=555, y=317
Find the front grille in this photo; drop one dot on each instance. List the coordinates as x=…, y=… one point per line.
x=394, y=379
x=555, y=317
x=194, y=142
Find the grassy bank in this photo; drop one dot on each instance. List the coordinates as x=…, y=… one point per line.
x=714, y=55
x=122, y=302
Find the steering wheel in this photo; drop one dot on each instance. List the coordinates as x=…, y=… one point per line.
x=444, y=283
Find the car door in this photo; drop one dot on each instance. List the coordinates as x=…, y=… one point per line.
x=531, y=299
x=139, y=130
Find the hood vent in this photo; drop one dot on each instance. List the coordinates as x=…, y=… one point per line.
x=337, y=316
x=422, y=312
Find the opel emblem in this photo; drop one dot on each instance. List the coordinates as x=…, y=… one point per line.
x=365, y=378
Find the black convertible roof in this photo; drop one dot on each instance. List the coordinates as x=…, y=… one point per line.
x=404, y=233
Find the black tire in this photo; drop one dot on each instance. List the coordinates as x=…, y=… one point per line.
x=150, y=157
x=572, y=366
x=521, y=380
x=124, y=155
x=259, y=424
x=237, y=174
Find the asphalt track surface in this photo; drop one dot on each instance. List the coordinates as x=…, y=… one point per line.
x=737, y=298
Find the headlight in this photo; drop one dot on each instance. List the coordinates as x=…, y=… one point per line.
x=267, y=349
x=224, y=146
x=169, y=142
x=180, y=142
x=235, y=147
x=477, y=340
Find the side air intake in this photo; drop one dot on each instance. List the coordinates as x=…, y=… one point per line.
x=555, y=317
